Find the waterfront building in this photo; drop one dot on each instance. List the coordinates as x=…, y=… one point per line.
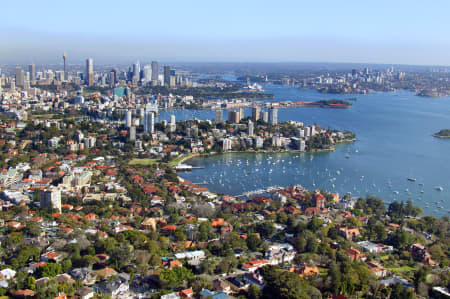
x=265, y=116
x=219, y=116
x=226, y=144
x=273, y=116
x=50, y=198
x=307, y=131
x=241, y=113
x=256, y=112
x=234, y=116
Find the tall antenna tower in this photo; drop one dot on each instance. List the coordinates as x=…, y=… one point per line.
x=64, y=59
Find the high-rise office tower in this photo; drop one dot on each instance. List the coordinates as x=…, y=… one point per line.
x=251, y=128
x=20, y=77
x=219, y=116
x=256, y=111
x=137, y=71
x=149, y=122
x=155, y=71
x=273, y=116
x=128, y=119
x=167, y=76
x=65, y=71
x=89, y=74
x=32, y=71
x=147, y=73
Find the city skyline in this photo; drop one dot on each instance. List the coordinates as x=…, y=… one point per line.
x=234, y=32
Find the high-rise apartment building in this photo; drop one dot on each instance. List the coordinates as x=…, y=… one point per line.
x=256, y=111
x=273, y=116
x=128, y=118
x=251, y=128
x=234, y=117
x=50, y=198
x=149, y=122
x=219, y=116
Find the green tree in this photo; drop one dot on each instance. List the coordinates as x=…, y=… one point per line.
x=253, y=242
x=49, y=270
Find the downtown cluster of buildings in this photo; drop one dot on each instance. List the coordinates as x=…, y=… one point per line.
x=29, y=77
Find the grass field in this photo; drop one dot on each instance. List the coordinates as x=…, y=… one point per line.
x=144, y=162
x=404, y=271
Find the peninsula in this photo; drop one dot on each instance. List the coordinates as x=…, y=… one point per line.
x=444, y=133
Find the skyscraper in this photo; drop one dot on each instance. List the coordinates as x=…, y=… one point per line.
x=273, y=116
x=166, y=75
x=32, y=71
x=256, y=111
x=219, y=116
x=137, y=71
x=89, y=75
x=20, y=77
x=128, y=119
x=149, y=122
x=65, y=73
x=155, y=72
x=147, y=73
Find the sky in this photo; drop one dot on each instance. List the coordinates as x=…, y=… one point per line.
x=395, y=31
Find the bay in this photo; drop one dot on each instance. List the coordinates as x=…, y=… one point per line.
x=394, y=132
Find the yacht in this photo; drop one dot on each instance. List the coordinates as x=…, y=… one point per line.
x=439, y=188
x=412, y=179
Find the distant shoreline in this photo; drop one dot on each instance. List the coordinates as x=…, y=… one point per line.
x=441, y=136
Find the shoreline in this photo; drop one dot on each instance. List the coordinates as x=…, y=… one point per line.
x=332, y=149
x=440, y=136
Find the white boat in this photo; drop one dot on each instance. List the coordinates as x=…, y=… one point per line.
x=439, y=188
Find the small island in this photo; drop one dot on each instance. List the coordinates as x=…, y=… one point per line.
x=444, y=133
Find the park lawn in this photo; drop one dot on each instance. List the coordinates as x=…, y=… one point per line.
x=143, y=162
x=179, y=159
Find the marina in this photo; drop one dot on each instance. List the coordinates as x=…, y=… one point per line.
x=380, y=163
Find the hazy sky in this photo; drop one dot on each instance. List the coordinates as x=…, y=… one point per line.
x=395, y=31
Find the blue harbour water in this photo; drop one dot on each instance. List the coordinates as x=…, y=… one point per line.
x=394, y=132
